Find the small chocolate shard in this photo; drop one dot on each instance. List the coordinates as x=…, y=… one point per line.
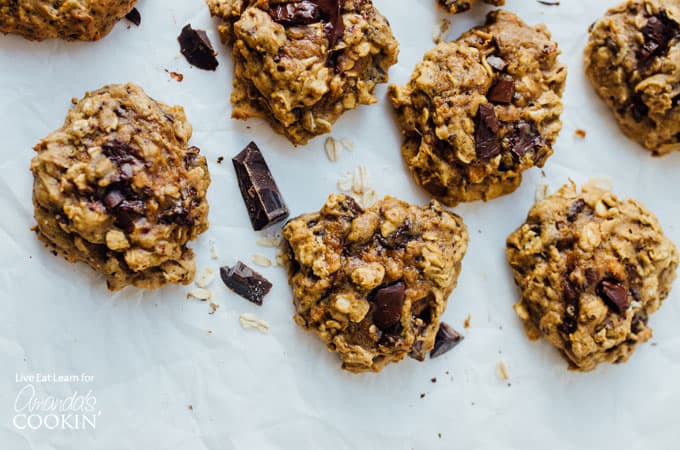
x=119, y=152
x=262, y=197
x=446, y=339
x=575, y=209
x=245, y=282
x=197, y=49
x=388, y=302
x=497, y=63
x=658, y=32
x=502, y=91
x=571, y=310
x=487, y=142
x=134, y=17
x=615, y=295
x=638, y=108
x=112, y=199
x=522, y=138
x=311, y=11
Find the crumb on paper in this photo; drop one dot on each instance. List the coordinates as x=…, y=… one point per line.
x=502, y=370
x=200, y=294
x=249, y=321
x=433, y=379
x=213, y=251
x=579, y=133
x=205, y=278
x=220, y=160
x=191, y=407
x=331, y=149
x=261, y=260
x=542, y=191
x=422, y=395
x=213, y=307
x=441, y=30
x=175, y=75
x=466, y=324
x=209, y=331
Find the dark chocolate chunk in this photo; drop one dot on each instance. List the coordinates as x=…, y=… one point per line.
x=487, y=142
x=261, y=195
x=639, y=321
x=638, y=108
x=246, y=282
x=112, y=199
x=523, y=137
x=311, y=11
x=502, y=91
x=134, y=17
x=615, y=295
x=197, y=49
x=571, y=309
x=298, y=13
x=575, y=209
x=119, y=152
x=446, y=339
x=388, y=303
x=497, y=63
x=127, y=212
x=658, y=32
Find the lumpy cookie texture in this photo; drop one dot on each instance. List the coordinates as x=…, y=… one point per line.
x=591, y=269
x=480, y=110
x=457, y=6
x=85, y=20
x=633, y=61
x=118, y=187
x=373, y=283
x=301, y=65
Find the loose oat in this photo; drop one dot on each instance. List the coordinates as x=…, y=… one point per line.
x=502, y=370
x=249, y=321
x=261, y=260
x=200, y=294
x=331, y=149
x=205, y=278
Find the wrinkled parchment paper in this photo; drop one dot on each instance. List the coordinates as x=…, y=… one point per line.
x=166, y=374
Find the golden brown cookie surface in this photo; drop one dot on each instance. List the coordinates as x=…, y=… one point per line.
x=373, y=283
x=458, y=6
x=118, y=187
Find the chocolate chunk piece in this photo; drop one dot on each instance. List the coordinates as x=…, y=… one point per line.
x=446, y=339
x=523, y=137
x=246, y=282
x=638, y=108
x=134, y=17
x=487, y=142
x=197, y=49
x=119, y=152
x=112, y=199
x=575, y=209
x=388, y=302
x=658, y=32
x=311, y=11
x=497, y=63
x=261, y=195
x=502, y=91
x=571, y=309
x=615, y=295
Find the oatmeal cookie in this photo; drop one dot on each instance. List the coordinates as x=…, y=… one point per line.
x=591, y=269
x=84, y=20
x=116, y=187
x=373, y=283
x=633, y=61
x=458, y=6
x=302, y=64
x=480, y=110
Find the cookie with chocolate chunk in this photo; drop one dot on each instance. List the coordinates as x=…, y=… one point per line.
x=302, y=64
x=480, y=110
x=633, y=61
x=119, y=188
x=458, y=6
x=591, y=269
x=373, y=283
x=84, y=20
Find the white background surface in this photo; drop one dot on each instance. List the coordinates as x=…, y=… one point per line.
x=151, y=353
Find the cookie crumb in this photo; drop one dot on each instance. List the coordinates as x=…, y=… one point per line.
x=502, y=370
x=200, y=294
x=249, y=321
x=220, y=160
x=579, y=133
x=433, y=379
x=213, y=307
x=175, y=76
x=466, y=324
x=191, y=407
x=422, y=395
x=441, y=30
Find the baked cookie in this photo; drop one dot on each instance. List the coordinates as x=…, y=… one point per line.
x=116, y=187
x=83, y=20
x=480, y=110
x=457, y=6
x=590, y=269
x=302, y=64
x=633, y=61
x=373, y=283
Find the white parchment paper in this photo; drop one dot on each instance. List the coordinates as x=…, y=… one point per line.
x=152, y=355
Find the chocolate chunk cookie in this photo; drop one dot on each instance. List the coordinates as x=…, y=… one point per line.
x=374, y=283
x=118, y=187
x=302, y=64
x=591, y=269
x=480, y=110
x=633, y=61
x=457, y=6
x=84, y=20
